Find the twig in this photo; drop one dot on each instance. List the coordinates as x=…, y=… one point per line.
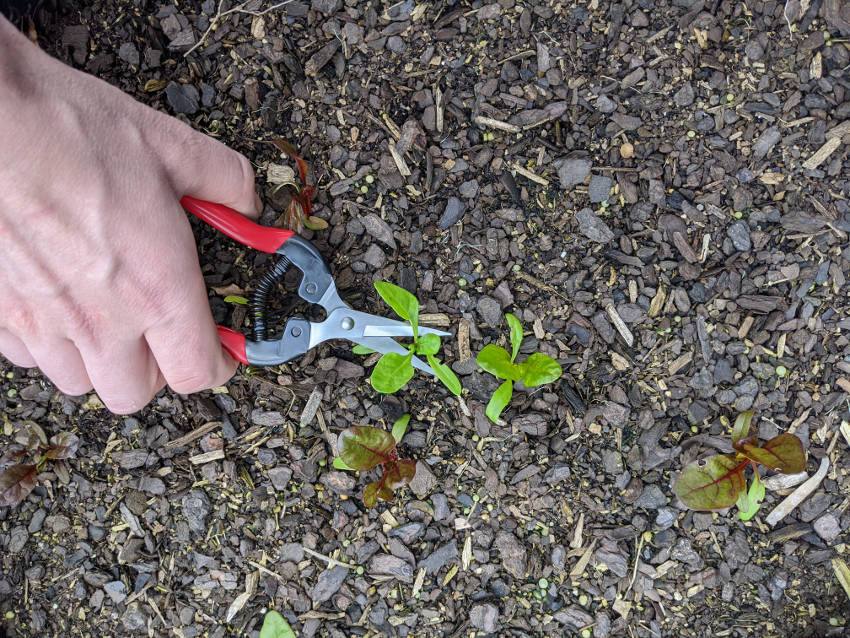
x=787, y=21
x=239, y=8
x=330, y=561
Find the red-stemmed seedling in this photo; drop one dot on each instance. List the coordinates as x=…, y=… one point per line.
x=719, y=481
x=364, y=448
x=28, y=456
x=299, y=214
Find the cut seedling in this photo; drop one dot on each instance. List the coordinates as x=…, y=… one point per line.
x=536, y=370
x=28, y=456
x=394, y=370
x=298, y=215
x=364, y=448
x=719, y=481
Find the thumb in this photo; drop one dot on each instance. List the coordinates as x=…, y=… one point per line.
x=209, y=170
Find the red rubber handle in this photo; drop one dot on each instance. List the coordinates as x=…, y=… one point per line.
x=237, y=226
x=234, y=343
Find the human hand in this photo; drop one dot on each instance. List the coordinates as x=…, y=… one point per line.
x=99, y=270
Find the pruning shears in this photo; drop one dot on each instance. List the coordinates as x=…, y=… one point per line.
x=317, y=287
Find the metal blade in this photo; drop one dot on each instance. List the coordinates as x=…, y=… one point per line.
x=385, y=344
x=402, y=330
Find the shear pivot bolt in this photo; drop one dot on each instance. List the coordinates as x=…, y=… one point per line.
x=310, y=288
x=295, y=332
x=347, y=323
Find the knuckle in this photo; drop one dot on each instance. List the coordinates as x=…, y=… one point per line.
x=191, y=382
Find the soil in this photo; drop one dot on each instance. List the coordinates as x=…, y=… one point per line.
x=658, y=190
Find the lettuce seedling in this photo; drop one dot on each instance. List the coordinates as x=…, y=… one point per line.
x=363, y=448
x=28, y=456
x=719, y=481
x=394, y=370
x=536, y=370
x=275, y=626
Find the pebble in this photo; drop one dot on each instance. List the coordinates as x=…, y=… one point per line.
x=485, y=617
x=469, y=189
x=651, y=498
x=291, y=553
x=18, y=539
x=328, y=7
x=573, y=172
x=593, y=227
x=453, y=212
x=196, y=508
x=512, y=553
x=753, y=50
x=604, y=104
x=766, y=141
x=739, y=233
x=116, y=591
x=375, y=257
x=328, y=583
x=684, y=96
x=134, y=618
x=599, y=188
x=37, y=520
x=665, y=518
x=182, y=98
x=683, y=552
x=339, y=482
x=574, y=617
x=379, y=229
x=269, y=419
x=612, y=461
x=129, y=53
x=439, y=558
x=132, y=459
x=407, y=533
x=423, y=481
x=152, y=485
x=280, y=477
x=389, y=565
x=828, y=527
x=441, y=506
x=490, y=311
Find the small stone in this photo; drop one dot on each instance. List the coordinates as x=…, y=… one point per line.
x=269, y=419
x=439, y=558
x=651, y=498
x=423, y=481
x=18, y=539
x=573, y=172
x=453, y=212
x=739, y=233
x=379, y=229
x=328, y=583
x=765, y=143
x=116, y=591
x=490, y=311
x=599, y=188
x=196, y=508
x=684, y=96
x=513, y=554
x=574, y=617
x=469, y=189
x=665, y=518
x=593, y=227
x=388, y=565
x=37, y=520
x=612, y=461
x=338, y=482
x=375, y=257
x=557, y=474
x=485, y=617
x=291, y=553
x=132, y=459
x=828, y=527
x=754, y=51
x=134, y=618
x=152, y=485
x=627, y=122
x=441, y=506
x=604, y=104
x=328, y=7
x=129, y=53
x=183, y=98
x=280, y=477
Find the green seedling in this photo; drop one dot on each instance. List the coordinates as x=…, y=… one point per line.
x=28, y=456
x=719, y=481
x=394, y=370
x=363, y=448
x=275, y=626
x=536, y=370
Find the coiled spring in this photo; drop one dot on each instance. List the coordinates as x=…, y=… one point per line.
x=260, y=297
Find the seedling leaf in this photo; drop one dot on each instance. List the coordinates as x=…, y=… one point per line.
x=783, y=453
x=398, y=473
x=496, y=360
x=501, y=397
x=62, y=446
x=428, y=344
x=61, y=468
x=236, y=299
x=392, y=372
x=516, y=334
x=275, y=626
x=405, y=304
x=370, y=494
x=444, y=373
x=742, y=426
x=750, y=500
x=400, y=427
x=14, y=454
x=540, y=368
x=358, y=349
x=341, y=465
x=16, y=483
x=362, y=447
x=315, y=223
x=714, y=483
x=31, y=436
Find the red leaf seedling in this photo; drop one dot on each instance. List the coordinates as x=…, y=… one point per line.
x=364, y=448
x=300, y=207
x=24, y=459
x=719, y=481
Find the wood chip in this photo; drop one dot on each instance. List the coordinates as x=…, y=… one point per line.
x=822, y=153
x=581, y=565
x=620, y=325
x=534, y=177
x=842, y=573
x=435, y=320
x=799, y=495
x=207, y=457
x=313, y=403
x=843, y=383
x=783, y=481
x=745, y=326
x=657, y=302
x=680, y=363
x=488, y=122
x=197, y=433
x=685, y=248
x=845, y=431
x=399, y=162
x=578, y=540
x=839, y=131
x=464, y=351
